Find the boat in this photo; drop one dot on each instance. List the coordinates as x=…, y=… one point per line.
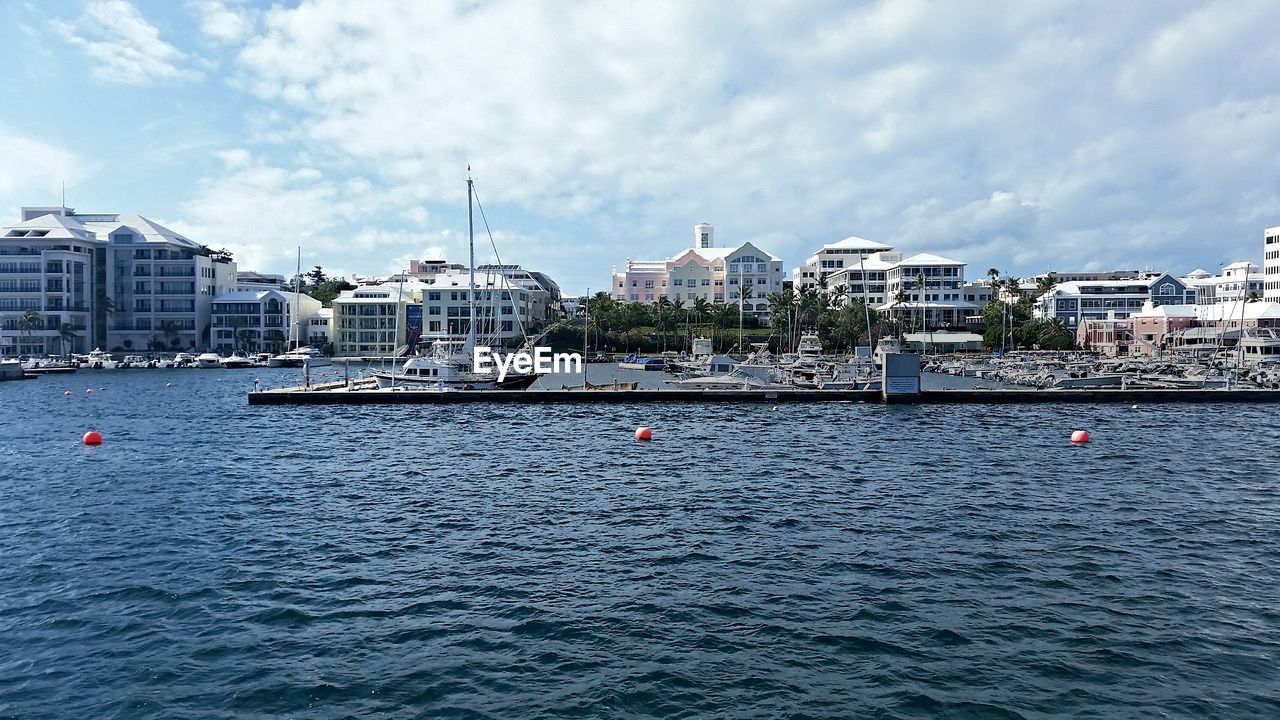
x=636, y=362
x=809, y=347
x=184, y=360
x=299, y=357
x=443, y=371
x=13, y=370
x=136, y=361
x=209, y=360
x=261, y=359
x=450, y=364
x=742, y=377
x=237, y=361
x=886, y=346
x=99, y=360
x=47, y=366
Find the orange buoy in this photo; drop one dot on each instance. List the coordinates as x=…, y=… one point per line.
x=93, y=437
x=644, y=433
x=1080, y=436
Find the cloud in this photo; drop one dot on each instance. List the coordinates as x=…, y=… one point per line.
x=125, y=48
x=1027, y=136
x=32, y=171
x=221, y=21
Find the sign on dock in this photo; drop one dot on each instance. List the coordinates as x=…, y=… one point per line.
x=900, y=379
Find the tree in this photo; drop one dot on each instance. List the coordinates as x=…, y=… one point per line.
x=169, y=329
x=66, y=334
x=29, y=323
x=317, y=276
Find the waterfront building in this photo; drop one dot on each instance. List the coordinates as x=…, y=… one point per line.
x=112, y=280
x=250, y=281
x=836, y=258
x=318, y=328
x=1238, y=281
x=1077, y=301
x=509, y=304
x=259, y=321
x=930, y=291
x=739, y=275
x=372, y=320
x=1271, y=263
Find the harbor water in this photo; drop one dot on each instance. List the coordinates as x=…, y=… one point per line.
x=212, y=560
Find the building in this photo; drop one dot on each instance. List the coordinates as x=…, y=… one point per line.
x=509, y=305
x=833, y=258
x=1271, y=263
x=112, y=280
x=1238, y=281
x=372, y=320
x=745, y=274
x=318, y=328
x=250, y=281
x=260, y=321
x=1077, y=301
x=930, y=290
x=1094, y=275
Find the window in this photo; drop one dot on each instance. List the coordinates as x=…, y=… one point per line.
x=706, y=282
x=1166, y=289
x=648, y=284
x=433, y=295
x=677, y=281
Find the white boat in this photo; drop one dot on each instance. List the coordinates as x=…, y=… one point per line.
x=450, y=364
x=301, y=356
x=208, y=360
x=261, y=359
x=136, y=361
x=741, y=377
x=237, y=361
x=886, y=346
x=99, y=359
x=810, y=347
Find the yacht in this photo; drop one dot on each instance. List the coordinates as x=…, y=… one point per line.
x=209, y=360
x=237, y=361
x=308, y=356
x=810, y=347
x=99, y=359
x=445, y=370
x=136, y=361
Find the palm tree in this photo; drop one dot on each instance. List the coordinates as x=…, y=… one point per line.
x=700, y=308
x=29, y=323
x=169, y=329
x=66, y=333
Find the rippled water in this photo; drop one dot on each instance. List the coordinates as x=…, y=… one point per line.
x=212, y=560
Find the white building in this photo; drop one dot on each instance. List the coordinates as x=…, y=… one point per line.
x=317, y=328
x=507, y=306
x=1237, y=281
x=744, y=275
x=931, y=290
x=116, y=280
x=250, y=281
x=834, y=258
x=1271, y=263
x=372, y=320
x=1075, y=302
x=260, y=321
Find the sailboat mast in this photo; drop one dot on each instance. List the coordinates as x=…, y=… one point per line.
x=471, y=266
x=297, y=291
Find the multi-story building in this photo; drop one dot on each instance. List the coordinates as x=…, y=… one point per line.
x=931, y=290
x=1237, y=281
x=318, y=328
x=745, y=274
x=372, y=320
x=250, y=281
x=1075, y=302
x=508, y=306
x=835, y=258
x=260, y=321
x=115, y=280
x=1271, y=263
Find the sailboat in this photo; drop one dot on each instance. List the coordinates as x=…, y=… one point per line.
x=449, y=366
x=298, y=356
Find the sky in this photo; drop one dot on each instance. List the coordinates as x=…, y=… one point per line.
x=1028, y=137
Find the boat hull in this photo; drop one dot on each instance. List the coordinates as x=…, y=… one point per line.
x=517, y=382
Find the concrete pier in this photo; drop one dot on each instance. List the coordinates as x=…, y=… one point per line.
x=336, y=395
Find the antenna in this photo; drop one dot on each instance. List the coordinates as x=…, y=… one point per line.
x=64, y=193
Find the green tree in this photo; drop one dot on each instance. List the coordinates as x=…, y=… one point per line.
x=66, y=334
x=29, y=323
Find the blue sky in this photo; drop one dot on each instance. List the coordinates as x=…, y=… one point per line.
x=1029, y=137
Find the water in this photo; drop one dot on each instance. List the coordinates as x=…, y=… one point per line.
x=212, y=560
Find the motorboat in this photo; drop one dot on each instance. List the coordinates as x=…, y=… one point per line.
x=237, y=361
x=136, y=361
x=636, y=362
x=298, y=357
x=443, y=372
x=209, y=360
x=261, y=359
x=741, y=377
x=99, y=360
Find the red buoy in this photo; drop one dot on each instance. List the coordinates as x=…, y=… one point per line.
x=93, y=437
x=644, y=433
x=1080, y=436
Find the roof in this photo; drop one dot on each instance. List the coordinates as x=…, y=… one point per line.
x=102, y=225
x=929, y=259
x=243, y=296
x=942, y=338
x=853, y=242
x=1167, y=311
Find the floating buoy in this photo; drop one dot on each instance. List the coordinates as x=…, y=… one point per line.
x=168, y=384
x=93, y=437
x=1135, y=407
x=775, y=408
x=67, y=394
x=644, y=433
x=88, y=391
x=1080, y=436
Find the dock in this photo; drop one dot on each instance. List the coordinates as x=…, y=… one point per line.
x=338, y=394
